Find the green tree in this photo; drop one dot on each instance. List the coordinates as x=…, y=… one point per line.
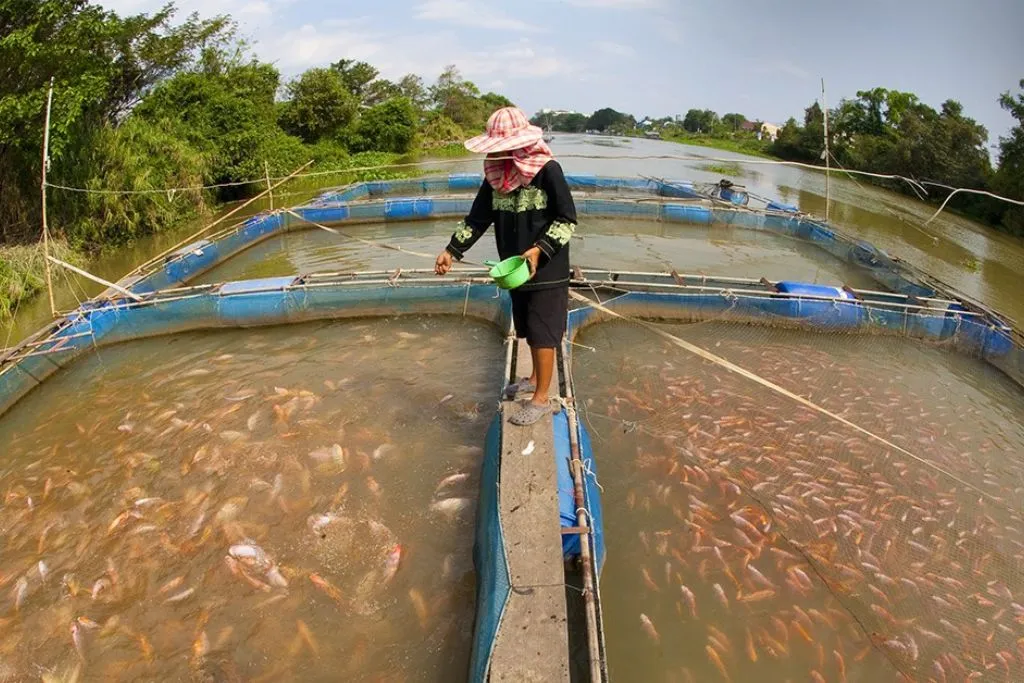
x=787, y=144
x=319, y=105
x=457, y=99
x=380, y=91
x=493, y=101
x=102, y=65
x=355, y=76
x=812, y=136
x=608, y=119
x=733, y=121
x=226, y=109
x=1009, y=179
x=700, y=121
x=411, y=88
x=387, y=127
x=571, y=123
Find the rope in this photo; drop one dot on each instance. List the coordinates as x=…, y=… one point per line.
x=934, y=238
x=964, y=189
x=732, y=367
x=371, y=243
x=443, y=162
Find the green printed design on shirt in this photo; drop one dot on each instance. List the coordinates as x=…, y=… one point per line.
x=521, y=200
x=463, y=233
x=561, y=232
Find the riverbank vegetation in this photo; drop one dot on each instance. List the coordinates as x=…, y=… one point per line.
x=881, y=131
x=146, y=103
x=892, y=132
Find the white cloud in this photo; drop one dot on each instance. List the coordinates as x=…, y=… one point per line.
x=317, y=45
x=465, y=13
x=615, y=49
x=394, y=52
x=618, y=4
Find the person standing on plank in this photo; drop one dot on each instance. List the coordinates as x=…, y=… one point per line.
x=525, y=196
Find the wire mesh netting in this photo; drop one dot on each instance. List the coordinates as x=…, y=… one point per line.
x=755, y=538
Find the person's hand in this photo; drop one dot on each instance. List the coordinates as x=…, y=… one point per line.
x=443, y=263
x=532, y=255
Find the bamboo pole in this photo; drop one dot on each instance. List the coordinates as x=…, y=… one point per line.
x=220, y=220
x=42, y=190
x=117, y=288
x=828, y=154
x=266, y=174
x=583, y=523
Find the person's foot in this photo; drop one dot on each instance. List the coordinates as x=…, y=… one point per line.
x=529, y=413
x=523, y=386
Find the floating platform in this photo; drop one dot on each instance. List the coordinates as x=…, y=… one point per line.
x=539, y=532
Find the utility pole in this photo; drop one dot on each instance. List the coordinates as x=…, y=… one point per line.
x=828, y=154
x=42, y=189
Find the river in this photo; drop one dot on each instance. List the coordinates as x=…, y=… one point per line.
x=295, y=503
x=979, y=261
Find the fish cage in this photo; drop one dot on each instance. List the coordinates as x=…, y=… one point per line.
x=539, y=557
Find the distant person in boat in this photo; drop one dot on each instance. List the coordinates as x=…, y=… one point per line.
x=526, y=198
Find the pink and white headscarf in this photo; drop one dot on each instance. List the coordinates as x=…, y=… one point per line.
x=516, y=151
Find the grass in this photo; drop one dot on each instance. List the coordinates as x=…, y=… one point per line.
x=748, y=146
x=22, y=272
x=22, y=269
x=452, y=150
x=723, y=169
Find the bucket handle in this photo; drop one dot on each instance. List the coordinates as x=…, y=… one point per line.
x=490, y=264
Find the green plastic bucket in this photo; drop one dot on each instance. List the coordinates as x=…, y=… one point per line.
x=510, y=273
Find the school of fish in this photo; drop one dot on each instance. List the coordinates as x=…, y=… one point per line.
x=751, y=539
x=289, y=504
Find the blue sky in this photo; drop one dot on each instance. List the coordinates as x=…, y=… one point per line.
x=656, y=57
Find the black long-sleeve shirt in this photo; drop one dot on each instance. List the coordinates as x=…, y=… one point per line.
x=542, y=214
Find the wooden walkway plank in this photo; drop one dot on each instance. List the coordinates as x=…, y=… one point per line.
x=533, y=641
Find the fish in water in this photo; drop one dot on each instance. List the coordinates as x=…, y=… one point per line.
x=20, y=592
x=327, y=587
x=181, y=597
x=648, y=627
x=451, y=480
x=391, y=563
x=450, y=507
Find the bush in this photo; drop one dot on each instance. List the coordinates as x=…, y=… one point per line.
x=140, y=156
x=22, y=272
x=328, y=154
x=319, y=105
x=440, y=131
x=388, y=127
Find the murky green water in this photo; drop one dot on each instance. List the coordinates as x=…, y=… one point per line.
x=752, y=539
x=979, y=261
x=284, y=504
x=601, y=243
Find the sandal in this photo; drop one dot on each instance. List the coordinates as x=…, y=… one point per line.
x=523, y=386
x=530, y=413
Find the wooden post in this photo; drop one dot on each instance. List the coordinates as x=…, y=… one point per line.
x=117, y=288
x=828, y=154
x=266, y=174
x=220, y=220
x=42, y=189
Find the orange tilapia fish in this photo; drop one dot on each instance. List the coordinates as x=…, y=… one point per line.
x=649, y=629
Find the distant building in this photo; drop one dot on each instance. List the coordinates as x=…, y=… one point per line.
x=768, y=130
x=749, y=126
x=557, y=112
